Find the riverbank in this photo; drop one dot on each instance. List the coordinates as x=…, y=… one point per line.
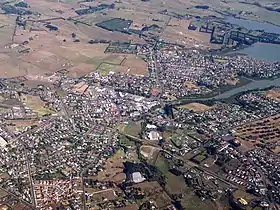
x=247, y=84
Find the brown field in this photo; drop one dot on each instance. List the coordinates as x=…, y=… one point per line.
x=196, y=107
x=113, y=170
x=273, y=94
x=80, y=87
x=154, y=191
x=21, y=124
x=136, y=65
x=148, y=151
x=6, y=30
x=265, y=131
x=49, y=52
x=177, y=32
x=245, y=145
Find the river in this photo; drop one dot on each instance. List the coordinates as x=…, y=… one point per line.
x=253, y=24
x=252, y=85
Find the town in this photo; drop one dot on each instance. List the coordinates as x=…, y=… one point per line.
x=136, y=124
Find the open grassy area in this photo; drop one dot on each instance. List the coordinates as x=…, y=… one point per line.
x=192, y=202
x=36, y=104
x=3, y=110
x=162, y=164
x=115, y=24
x=124, y=141
x=119, y=154
x=106, y=68
x=176, y=184
x=132, y=128
x=196, y=107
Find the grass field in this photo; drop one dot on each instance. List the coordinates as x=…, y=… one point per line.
x=162, y=164
x=132, y=128
x=192, y=202
x=36, y=104
x=176, y=184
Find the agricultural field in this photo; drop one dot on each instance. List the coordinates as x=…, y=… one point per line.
x=48, y=51
x=265, y=131
x=116, y=24
x=177, y=32
x=129, y=64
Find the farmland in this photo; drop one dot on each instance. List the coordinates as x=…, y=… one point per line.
x=265, y=131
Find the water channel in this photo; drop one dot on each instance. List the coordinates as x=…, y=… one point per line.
x=252, y=85
x=263, y=51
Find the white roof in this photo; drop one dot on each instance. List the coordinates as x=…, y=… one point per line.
x=150, y=126
x=3, y=143
x=137, y=177
x=154, y=136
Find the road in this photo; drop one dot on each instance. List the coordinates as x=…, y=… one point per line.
x=30, y=180
x=82, y=181
x=153, y=57
x=16, y=196
x=12, y=141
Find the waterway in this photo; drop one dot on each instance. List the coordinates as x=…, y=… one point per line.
x=253, y=24
x=263, y=51
x=252, y=85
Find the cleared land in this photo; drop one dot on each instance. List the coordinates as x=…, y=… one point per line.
x=36, y=104
x=177, y=32
x=273, y=94
x=21, y=124
x=196, y=107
